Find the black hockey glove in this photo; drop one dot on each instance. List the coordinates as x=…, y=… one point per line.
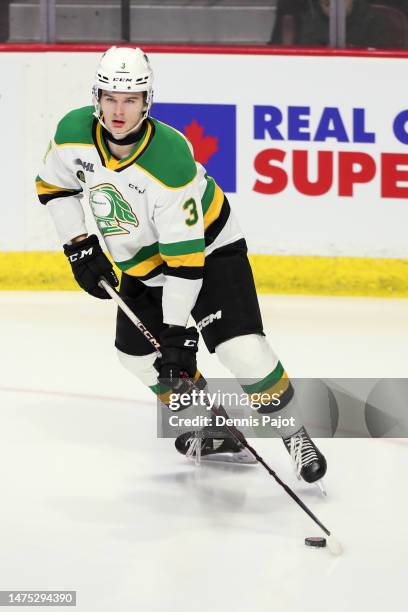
x=89, y=263
x=178, y=348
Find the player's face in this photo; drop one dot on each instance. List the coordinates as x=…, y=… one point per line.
x=121, y=111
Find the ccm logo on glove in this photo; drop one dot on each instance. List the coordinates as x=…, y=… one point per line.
x=89, y=263
x=190, y=343
x=80, y=255
x=178, y=347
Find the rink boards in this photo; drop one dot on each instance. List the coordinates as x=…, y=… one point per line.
x=310, y=150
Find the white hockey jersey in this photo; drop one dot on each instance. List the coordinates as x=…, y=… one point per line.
x=158, y=211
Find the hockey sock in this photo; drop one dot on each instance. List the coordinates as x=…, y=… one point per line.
x=171, y=398
x=273, y=395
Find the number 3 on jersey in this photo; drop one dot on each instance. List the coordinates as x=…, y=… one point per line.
x=191, y=207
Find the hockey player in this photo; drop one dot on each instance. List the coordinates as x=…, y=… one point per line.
x=170, y=230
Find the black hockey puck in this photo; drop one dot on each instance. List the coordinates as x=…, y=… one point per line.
x=316, y=542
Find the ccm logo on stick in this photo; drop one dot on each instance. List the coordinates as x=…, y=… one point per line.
x=209, y=319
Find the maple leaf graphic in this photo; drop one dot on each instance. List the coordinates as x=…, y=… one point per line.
x=204, y=146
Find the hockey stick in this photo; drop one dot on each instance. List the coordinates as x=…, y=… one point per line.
x=333, y=544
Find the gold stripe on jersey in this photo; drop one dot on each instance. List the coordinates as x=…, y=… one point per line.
x=192, y=260
x=47, y=191
x=145, y=267
x=109, y=160
x=73, y=144
x=186, y=253
x=44, y=188
x=214, y=209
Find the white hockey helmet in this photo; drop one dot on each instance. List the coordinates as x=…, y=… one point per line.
x=123, y=70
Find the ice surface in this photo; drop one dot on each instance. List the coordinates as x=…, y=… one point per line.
x=92, y=501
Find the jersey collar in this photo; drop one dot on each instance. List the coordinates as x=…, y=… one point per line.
x=106, y=157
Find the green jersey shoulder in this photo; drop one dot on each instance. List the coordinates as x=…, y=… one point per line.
x=168, y=157
x=76, y=127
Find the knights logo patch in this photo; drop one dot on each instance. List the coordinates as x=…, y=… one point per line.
x=111, y=210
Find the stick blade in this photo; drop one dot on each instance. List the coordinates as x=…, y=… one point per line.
x=334, y=546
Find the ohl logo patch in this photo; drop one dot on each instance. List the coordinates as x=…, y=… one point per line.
x=211, y=129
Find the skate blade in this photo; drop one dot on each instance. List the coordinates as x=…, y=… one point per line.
x=320, y=485
x=243, y=457
x=195, y=459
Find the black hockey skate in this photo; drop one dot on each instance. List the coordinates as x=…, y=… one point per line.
x=310, y=464
x=213, y=444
